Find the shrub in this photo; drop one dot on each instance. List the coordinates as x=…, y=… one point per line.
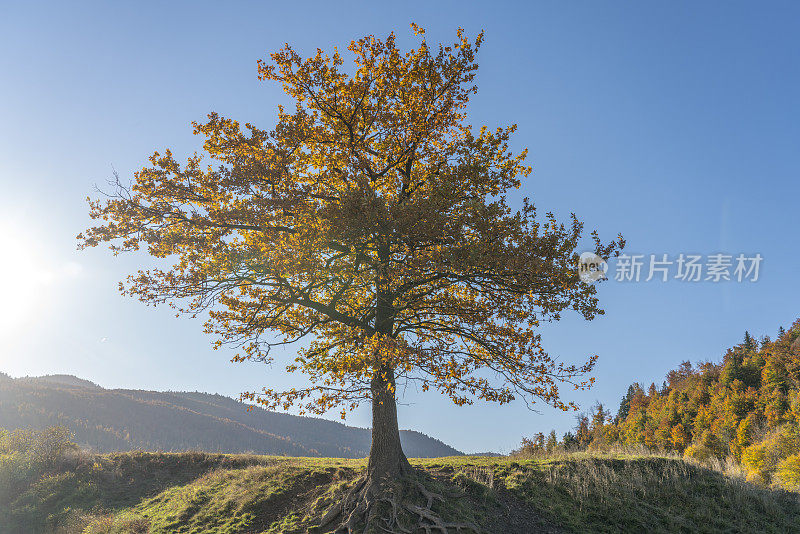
x=788, y=472
x=25, y=454
x=763, y=459
x=707, y=449
x=41, y=448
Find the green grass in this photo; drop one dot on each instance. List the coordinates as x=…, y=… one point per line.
x=212, y=493
x=648, y=495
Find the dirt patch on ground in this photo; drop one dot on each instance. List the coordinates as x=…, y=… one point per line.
x=519, y=517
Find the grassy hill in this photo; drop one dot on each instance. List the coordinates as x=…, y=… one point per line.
x=44, y=488
x=109, y=420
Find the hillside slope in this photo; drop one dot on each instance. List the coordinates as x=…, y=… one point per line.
x=196, y=492
x=123, y=420
x=744, y=408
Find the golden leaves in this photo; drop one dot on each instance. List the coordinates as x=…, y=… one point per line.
x=372, y=219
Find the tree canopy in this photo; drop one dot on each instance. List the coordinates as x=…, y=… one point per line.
x=373, y=220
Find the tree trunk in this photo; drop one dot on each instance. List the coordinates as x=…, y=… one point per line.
x=386, y=458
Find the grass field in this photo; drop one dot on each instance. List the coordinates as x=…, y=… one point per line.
x=213, y=493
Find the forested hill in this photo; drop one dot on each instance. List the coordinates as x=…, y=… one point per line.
x=122, y=420
x=745, y=408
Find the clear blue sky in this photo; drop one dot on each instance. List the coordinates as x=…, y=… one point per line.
x=675, y=123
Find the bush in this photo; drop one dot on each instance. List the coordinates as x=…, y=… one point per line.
x=788, y=472
x=762, y=460
x=707, y=449
x=41, y=448
x=51, y=444
x=25, y=456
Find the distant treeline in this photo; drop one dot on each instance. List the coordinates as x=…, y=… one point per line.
x=122, y=420
x=745, y=408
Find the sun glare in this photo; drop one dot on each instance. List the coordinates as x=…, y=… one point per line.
x=24, y=281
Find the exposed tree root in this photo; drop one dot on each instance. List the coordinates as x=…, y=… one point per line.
x=403, y=506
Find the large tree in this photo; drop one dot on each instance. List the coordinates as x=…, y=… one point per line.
x=372, y=220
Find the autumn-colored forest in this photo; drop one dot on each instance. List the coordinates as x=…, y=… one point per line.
x=744, y=408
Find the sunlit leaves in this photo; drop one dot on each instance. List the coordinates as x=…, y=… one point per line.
x=371, y=219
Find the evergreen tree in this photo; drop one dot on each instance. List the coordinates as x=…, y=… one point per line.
x=732, y=367
x=749, y=342
x=570, y=441
x=600, y=416
x=625, y=404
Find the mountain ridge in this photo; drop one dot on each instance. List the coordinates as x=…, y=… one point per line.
x=107, y=420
